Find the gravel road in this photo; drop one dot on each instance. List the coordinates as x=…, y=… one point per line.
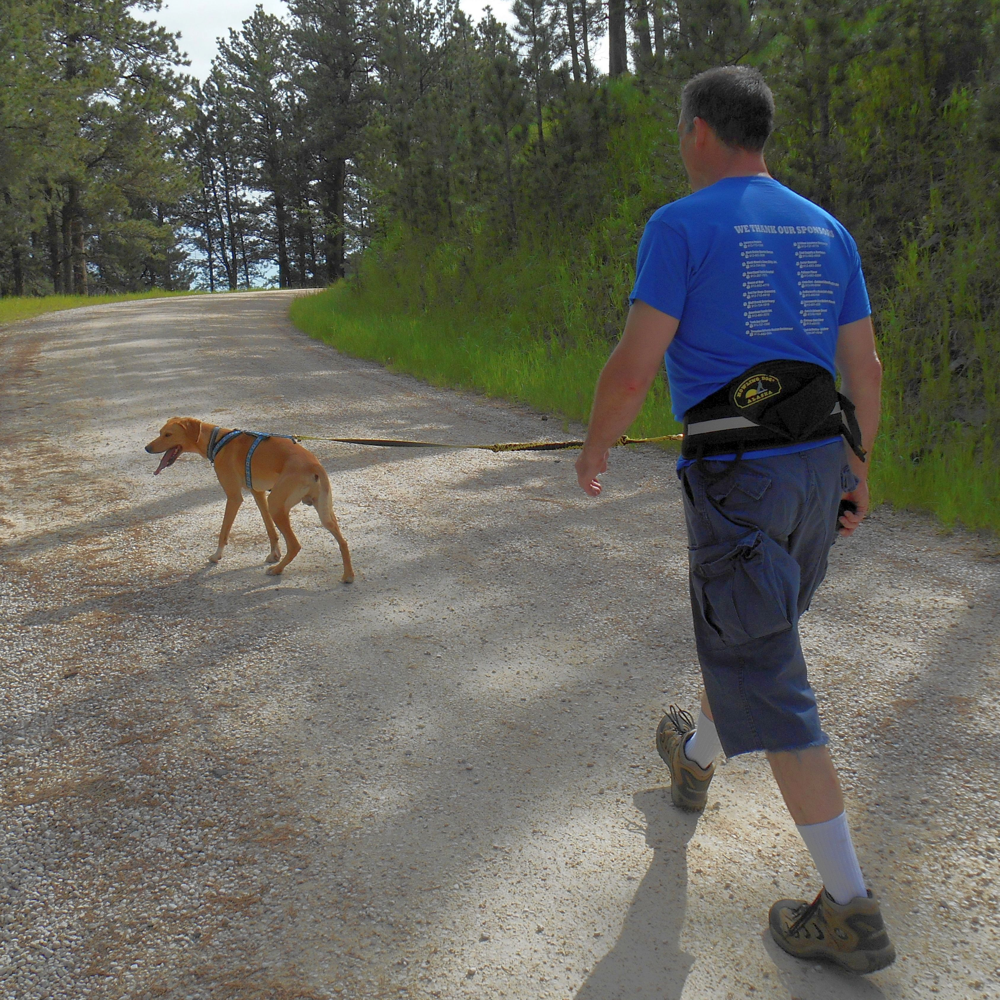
x=439, y=781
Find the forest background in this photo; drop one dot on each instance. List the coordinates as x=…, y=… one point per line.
x=484, y=186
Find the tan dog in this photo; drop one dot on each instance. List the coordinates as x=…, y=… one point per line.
x=276, y=465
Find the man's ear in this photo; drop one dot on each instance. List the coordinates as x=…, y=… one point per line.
x=702, y=132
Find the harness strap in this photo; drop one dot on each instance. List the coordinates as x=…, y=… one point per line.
x=253, y=447
x=216, y=444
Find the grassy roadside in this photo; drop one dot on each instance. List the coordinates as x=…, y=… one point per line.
x=551, y=375
x=949, y=480
x=13, y=308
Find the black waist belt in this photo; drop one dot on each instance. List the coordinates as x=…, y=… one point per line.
x=772, y=404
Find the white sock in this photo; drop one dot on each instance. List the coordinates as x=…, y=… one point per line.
x=703, y=745
x=830, y=845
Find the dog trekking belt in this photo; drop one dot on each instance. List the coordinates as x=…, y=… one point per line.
x=216, y=444
x=770, y=405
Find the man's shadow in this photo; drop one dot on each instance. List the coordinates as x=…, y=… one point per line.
x=646, y=962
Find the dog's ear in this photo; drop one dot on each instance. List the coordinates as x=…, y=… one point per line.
x=191, y=427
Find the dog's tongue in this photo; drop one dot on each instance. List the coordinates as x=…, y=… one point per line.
x=168, y=459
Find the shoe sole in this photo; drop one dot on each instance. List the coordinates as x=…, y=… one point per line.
x=860, y=962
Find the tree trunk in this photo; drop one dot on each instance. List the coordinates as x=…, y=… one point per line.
x=79, y=257
x=168, y=276
x=510, y=186
x=538, y=109
x=15, y=260
x=66, y=256
x=573, y=47
x=642, y=33
x=281, y=223
x=75, y=264
x=241, y=233
x=313, y=269
x=658, y=32
x=234, y=273
x=210, y=249
x=333, y=211
x=228, y=256
x=300, y=241
x=55, y=264
x=617, y=39
x=588, y=66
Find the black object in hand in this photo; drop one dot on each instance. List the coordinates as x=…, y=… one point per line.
x=846, y=505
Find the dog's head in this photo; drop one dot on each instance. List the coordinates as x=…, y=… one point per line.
x=177, y=435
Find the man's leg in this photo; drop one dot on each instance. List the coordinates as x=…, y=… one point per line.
x=811, y=790
x=703, y=745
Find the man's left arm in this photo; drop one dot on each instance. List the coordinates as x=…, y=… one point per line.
x=622, y=388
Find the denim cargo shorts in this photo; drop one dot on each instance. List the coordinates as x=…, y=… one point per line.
x=759, y=533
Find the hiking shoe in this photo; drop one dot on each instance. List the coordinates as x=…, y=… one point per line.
x=688, y=782
x=851, y=934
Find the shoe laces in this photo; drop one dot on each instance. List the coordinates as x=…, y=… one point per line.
x=683, y=722
x=805, y=913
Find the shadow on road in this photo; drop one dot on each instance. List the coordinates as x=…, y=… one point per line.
x=817, y=981
x=647, y=961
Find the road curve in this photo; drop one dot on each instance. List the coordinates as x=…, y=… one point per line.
x=439, y=781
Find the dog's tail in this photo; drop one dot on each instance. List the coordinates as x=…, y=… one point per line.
x=321, y=494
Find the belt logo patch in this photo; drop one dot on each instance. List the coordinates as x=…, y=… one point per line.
x=755, y=388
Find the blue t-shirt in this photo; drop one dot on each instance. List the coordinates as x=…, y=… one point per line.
x=753, y=272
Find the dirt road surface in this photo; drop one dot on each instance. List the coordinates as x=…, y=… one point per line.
x=439, y=781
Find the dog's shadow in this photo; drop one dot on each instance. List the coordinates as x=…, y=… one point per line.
x=647, y=961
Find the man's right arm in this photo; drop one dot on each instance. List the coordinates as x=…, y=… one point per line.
x=861, y=382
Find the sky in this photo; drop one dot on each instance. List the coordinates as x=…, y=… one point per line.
x=201, y=22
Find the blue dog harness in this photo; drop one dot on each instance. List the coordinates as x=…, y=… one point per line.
x=216, y=444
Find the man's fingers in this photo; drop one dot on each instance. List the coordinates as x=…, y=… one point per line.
x=588, y=468
x=848, y=522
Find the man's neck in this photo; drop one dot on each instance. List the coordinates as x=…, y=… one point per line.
x=737, y=164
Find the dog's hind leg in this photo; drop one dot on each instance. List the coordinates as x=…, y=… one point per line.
x=324, y=507
x=233, y=504
x=280, y=503
x=260, y=497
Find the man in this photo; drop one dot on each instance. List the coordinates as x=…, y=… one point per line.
x=755, y=298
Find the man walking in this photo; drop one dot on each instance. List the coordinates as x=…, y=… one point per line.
x=755, y=298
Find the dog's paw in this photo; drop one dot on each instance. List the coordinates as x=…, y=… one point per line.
x=215, y=557
x=274, y=571
x=347, y=579
x=273, y=557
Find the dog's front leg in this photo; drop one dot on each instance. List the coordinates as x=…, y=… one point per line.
x=260, y=496
x=233, y=504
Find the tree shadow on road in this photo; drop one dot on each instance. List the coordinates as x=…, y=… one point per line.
x=647, y=961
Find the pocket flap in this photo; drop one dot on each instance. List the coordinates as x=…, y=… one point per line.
x=743, y=549
x=753, y=484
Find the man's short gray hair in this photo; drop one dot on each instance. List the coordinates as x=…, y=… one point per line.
x=734, y=101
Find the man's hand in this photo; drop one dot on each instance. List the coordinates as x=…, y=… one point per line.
x=622, y=387
x=589, y=466
x=849, y=520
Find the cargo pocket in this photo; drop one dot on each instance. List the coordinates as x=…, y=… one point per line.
x=746, y=590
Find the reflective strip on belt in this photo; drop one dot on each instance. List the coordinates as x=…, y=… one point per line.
x=729, y=424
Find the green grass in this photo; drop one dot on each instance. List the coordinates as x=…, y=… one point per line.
x=13, y=308
x=557, y=376
x=554, y=376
